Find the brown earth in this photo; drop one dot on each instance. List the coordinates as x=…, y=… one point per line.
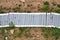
x=1, y=34
x=31, y=34
x=12, y=3
x=25, y=5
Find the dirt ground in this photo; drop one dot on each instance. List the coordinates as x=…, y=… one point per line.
x=1, y=34
x=32, y=33
x=12, y=3
x=24, y=5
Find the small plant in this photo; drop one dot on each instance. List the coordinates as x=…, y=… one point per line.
x=28, y=5
x=1, y=11
x=19, y=5
x=58, y=5
x=45, y=8
x=22, y=29
x=48, y=32
x=28, y=11
x=27, y=34
x=54, y=4
x=17, y=9
x=56, y=33
x=57, y=11
x=39, y=9
x=11, y=25
x=46, y=3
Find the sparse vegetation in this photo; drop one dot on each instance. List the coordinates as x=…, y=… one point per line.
x=58, y=5
x=45, y=9
x=54, y=4
x=28, y=11
x=46, y=3
x=11, y=25
x=30, y=6
x=46, y=33
x=17, y=9
x=54, y=32
x=46, y=6
x=22, y=29
x=1, y=11
x=57, y=11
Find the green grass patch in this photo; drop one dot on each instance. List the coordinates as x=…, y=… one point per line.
x=22, y=30
x=49, y=32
